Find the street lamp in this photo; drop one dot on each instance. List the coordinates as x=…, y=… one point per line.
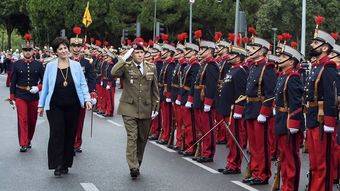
x=190, y=20
x=236, y=20
x=274, y=47
x=154, y=20
x=303, y=28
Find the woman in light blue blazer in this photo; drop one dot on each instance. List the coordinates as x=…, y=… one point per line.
x=64, y=91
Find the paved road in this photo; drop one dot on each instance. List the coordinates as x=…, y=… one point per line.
x=102, y=164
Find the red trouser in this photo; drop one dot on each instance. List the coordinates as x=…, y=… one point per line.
x=79, y=130
x=204, y=123
x=166, y=115
x=290, y=161
x=244, y=135
x=27, y=119
x=321, y=150
x=234, y=158
x=156, y=126
x=336, y=173
x=272, y=137
x=179, y=127
x=259, y=149
x=189, y=130
x=220, y=129
x=8, y=80
x=108, y=103
x=99, y=90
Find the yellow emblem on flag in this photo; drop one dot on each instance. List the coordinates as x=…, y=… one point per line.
x=87, y=19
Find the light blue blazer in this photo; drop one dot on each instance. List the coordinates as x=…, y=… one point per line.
x=50, y=79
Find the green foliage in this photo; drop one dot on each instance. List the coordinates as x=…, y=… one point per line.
x=48, y=17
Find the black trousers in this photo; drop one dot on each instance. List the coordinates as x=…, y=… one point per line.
x=63, y=123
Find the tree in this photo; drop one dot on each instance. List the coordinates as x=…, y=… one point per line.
x=14, y=16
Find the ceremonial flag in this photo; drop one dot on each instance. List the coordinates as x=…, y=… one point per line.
x=87, y=19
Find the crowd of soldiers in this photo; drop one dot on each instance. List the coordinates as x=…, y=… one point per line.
x=235, y=91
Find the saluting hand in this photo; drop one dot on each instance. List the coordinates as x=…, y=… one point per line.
x=88, y=105
x=41, y=112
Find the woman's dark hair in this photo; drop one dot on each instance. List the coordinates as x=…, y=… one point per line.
x=58, y=41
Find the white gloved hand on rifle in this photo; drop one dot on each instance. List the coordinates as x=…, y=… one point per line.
x=34, y=89
x=154, y=114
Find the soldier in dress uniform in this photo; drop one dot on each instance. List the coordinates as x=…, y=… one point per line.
x=156, y=124
x=8, y=65
x=187, y=113
x=76, y=45
x=26, y=82
x=204, y=92
x=335, y=56
x=260, y=94
x=321, y=111
x=176, y=84
x=289, y=119
x=273, y=142
x=165, y=91
x=224, y=65
x=230, y=106
x=139, y=102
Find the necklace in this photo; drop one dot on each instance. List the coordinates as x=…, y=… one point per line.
x=64, y=76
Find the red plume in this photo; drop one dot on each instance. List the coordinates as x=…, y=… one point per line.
x=252, y=31
x=150, y=43
x=139, y=41
x=319, y=20
x=294, y=44
x=180, y=37
x=28, y=36
x=217, y=36
x=231, y=37
x=286, y=36
x=280, y=37
x=198, y=34
x=77, y=30
x=98, y=43
x=164, y=37
x=185, y=35
x=334, y=35
x=245, y=40
x=239, y=40
x=128, y=42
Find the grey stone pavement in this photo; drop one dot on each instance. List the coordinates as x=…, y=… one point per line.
x=102, y=165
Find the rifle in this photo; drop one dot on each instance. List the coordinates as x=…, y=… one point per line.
x=276, y=184
x=11, y=102
x=173, y=128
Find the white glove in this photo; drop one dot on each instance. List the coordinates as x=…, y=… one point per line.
x=237, y=116
x=293, y=130
x=177, y=102
x=108, y=87
x=188, y=104
x=168, y=100
x=261, y=118
x=34, y=89
x=101, y=83
x=206, y=108
x=328, y=129
x=274, y=111
x=93, y=101
x=14, y=105
x=154, y=114
x=127, y=54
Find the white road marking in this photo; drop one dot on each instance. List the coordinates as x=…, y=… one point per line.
x=100, y=116
x=117, y=124
x=200, y=165
x=162, y=147
x=244, y=186
x=89, y=187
